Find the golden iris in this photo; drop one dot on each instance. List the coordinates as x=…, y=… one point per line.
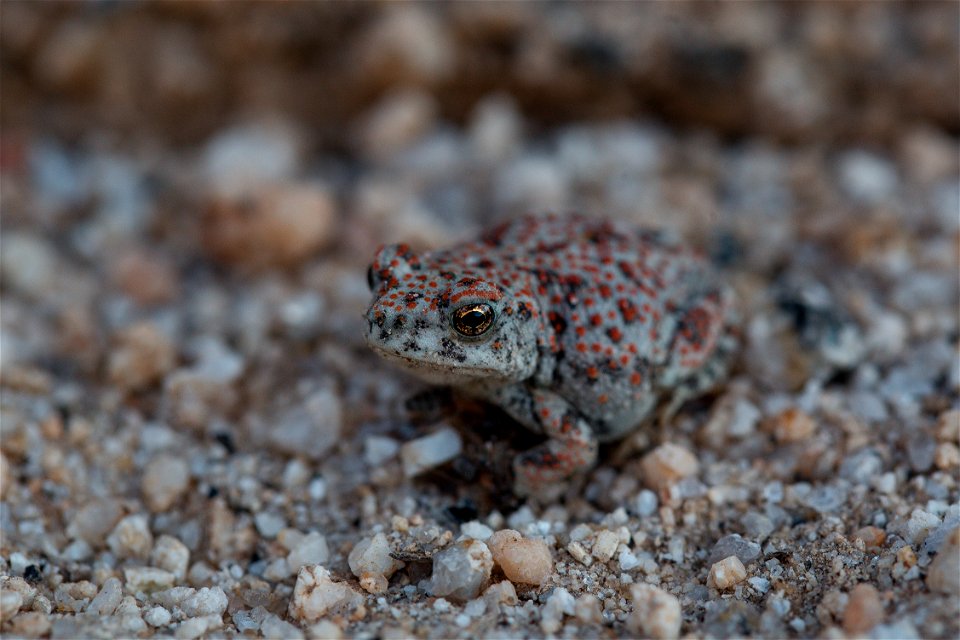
x=473, y=319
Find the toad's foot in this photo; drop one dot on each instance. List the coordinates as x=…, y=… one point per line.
x=571, y=446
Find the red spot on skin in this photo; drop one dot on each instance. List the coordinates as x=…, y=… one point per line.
x=615, y=334
x=632, y=348
x=602, y=399
x=596, y=347
x=624, y=359
x=544, y=413
x=581, y=347
x=581, y=331
x=636, y=379
x=596, y=319
x=496, y=345
x=592, y=373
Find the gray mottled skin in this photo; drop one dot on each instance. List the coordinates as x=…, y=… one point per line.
x=578, y=328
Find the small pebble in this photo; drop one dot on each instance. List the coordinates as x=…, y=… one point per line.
x=864, y=610
x=310, y=549
x=461, y=570
x=370, y=560
x=942, y=575
x=157, y=617
x=666, y=464
x=205, y=602
x=605, y=545
x=430, y=451
x=147, y=579
x=727, y=573
x=131, y=538
x=523, y=560
x=873, y=537
x=476, y=530
x=142, y=356
x=656, y=613
x=165, y=479
x=275, y=627
x=107, y=600
x=315, y=595
x=379, y=449
x=559, y=604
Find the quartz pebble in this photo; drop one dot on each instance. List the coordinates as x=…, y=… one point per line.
x=559, y=604
x=864, y=610
x=107, y=600
x=430, y=451
x=522, y=560
x=656, y=613
x=310, y=549
x=206, y=601
x=605, y=545
x=316, y=595
x=727, y=572
x=667, y=464
x=157, y=617
x=370, y=560
x=131, y=538
x=275, y=627
x=461, y=570
x=165, y=479
x=10, y=603
x=147, y=579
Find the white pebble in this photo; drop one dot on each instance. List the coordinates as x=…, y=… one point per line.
x=430, y=451
x=379, y=449
x=275, y=627
x=206, y=601
x=171, y=555
x=131, y=538
x=147, y=579
x=727, y=572
x=315, y=595
x=157, y=617
x=605, y=545
x=372, y=556
x=269, y=524
x=476, y=530
x=311, y=549
x=106, y=602
x=656, y=613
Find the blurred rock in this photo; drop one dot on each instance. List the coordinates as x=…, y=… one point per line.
x=280, y=224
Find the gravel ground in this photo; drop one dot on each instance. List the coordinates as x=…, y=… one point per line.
x=196, y=442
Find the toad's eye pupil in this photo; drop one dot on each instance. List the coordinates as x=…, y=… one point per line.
x=473, y=319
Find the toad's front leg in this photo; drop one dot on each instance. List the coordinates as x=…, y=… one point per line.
x=571, y=446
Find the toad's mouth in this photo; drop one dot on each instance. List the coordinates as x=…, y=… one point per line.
x=435, y=370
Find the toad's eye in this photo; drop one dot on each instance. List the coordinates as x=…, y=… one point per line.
x=473, y=319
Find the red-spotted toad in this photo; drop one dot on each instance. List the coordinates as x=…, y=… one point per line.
x=578, y=328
